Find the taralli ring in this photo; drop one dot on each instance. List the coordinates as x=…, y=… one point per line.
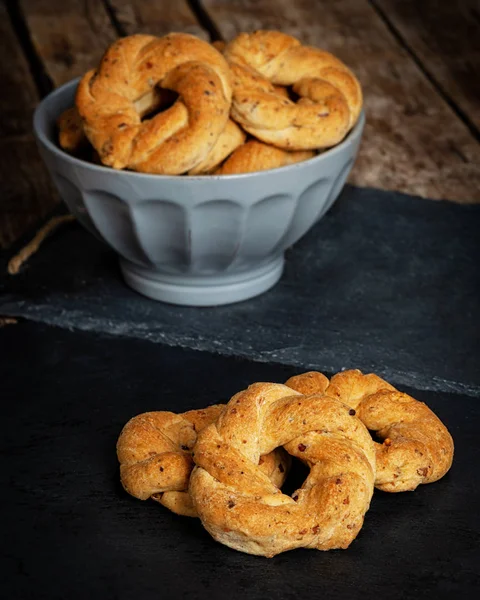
x=231, y=138
x=73, y=140
x=329, y=95
x=257, y=156
x=175, y=140
x=243, y=509
x=417, y=447
x=154, y=451
x=71, y=134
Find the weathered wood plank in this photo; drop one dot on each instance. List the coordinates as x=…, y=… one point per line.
x=413, y=141
x=445, y=38
x=70, y=36
x=19, y=95
x=27, y=193
x=157, y=18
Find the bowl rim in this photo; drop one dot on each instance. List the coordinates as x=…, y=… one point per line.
x=46, y=141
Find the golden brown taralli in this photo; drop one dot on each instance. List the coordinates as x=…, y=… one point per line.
x=71, y=136
x=154, y=451
x=231, y=138
x=330, y=96
x=258, y=156
x=73, y=140
x=243, y=509
x=173, y=141
x=417, y=447
x=162, y=105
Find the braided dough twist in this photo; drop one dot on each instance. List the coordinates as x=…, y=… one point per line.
x=175, y=140
x=417, y=447
x=231, y=138
x=71, y=134
x=154, y=451
x=241, y=508
x=330, y=97
x=257, y=156
x=73, y=140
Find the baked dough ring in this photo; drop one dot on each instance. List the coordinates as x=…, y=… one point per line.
x=330, y=97
x=257, y=156
x=73, y=140
x=231, y=138
x=241, y=508
x=417, y=447
x=154, y=452
x=175, y=140
x=71, y=135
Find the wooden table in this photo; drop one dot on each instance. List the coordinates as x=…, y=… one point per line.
x=415, y=60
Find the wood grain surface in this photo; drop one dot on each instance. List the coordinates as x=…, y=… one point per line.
x=444, y=38
x=413, y=141
x=70, y=36
x=157, y=18
x=27, y=193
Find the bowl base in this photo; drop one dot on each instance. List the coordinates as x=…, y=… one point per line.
x=211, y=290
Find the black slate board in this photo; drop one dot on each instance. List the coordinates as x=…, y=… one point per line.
x=70, y=531
x=384, y=282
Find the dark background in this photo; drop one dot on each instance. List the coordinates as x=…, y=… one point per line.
x=70, y=531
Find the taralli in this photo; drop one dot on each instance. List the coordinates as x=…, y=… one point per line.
x=154, y=452
x=71, y=136
x=257, y=156
x=175, y=140
x=330, y=96
x=231, y=138
x=176, y=105
x=73, y=140
x=243, y=509
x=417, y=447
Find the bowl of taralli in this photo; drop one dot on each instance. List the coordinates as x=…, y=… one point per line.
x=200, y=164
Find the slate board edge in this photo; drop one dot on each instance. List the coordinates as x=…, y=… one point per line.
x=11, y=305
x=49, y=315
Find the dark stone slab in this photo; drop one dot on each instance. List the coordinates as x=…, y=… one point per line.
x=385, y=282
x=70, y=531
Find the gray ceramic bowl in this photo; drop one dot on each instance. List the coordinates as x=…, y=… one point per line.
x=198, y=241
